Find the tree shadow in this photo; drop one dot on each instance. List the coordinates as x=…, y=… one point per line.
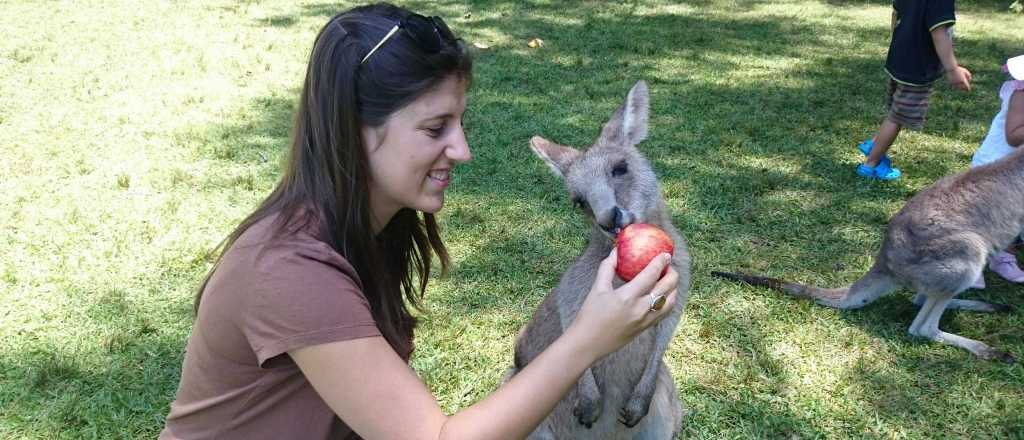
x=974, y=6
x=745, y=196
x=754, y=371
x=120, y=389
x=894, y=394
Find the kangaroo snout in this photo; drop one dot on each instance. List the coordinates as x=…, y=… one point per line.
x=616, y=219
x=622, y=218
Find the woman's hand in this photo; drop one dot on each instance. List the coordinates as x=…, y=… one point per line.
x=610, y=318
x=366, y=383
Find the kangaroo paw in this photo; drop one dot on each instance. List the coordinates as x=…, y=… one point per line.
x=1002, y=308
x=635, y=410
x=587, y=411
x=978, y=348
x=998, y=355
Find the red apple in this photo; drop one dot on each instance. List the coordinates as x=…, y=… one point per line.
x=637, y=245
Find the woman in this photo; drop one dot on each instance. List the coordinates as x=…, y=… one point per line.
x=303, y=328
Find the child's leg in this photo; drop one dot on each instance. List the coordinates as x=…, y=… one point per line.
x=906, y=105
x=877, y=164
x=1005, y=264
x=887, y=134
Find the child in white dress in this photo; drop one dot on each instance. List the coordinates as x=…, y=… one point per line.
x=1005, y=135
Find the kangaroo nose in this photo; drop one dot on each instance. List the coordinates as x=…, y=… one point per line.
x=621, y=218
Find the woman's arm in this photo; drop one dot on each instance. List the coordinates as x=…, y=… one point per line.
x=380, y=397
x=371, y=389
x=1015, y=119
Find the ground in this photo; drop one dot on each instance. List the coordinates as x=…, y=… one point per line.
x=134, y=135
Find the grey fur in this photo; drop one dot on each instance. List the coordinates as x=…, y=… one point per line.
x=629, y=394
x=937, y=245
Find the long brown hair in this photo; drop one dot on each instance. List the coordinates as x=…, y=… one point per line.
x=326, y=179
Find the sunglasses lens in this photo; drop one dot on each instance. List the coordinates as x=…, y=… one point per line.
x=442, y=28
x=421, y=29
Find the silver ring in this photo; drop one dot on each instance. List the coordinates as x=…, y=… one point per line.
x=657, y=302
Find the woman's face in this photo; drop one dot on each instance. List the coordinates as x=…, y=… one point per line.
x=413, y=153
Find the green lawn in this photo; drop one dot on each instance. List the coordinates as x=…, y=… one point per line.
x=134, y=135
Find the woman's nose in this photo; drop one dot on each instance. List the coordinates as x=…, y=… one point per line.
x=458, y=150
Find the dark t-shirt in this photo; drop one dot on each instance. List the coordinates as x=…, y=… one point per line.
x=265, y=299
x=912, y=58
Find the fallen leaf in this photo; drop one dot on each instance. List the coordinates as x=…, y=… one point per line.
x=535, y=43
x=481, y=46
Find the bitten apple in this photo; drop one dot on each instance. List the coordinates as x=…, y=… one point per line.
x=637, y=245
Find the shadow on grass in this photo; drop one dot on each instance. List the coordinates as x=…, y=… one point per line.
x=257, y=133
x=897, y=394
x=118, y=380
x=973, y=6
x=700, y=131
x=761, y=166
x=118, y=390
x=760, y=373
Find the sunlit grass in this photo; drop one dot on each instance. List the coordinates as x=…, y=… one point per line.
x=136, y=134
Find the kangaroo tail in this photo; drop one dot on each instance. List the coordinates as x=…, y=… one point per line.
x=866, y=290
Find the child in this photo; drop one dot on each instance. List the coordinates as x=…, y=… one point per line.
x=1004, y=135
x=920, y=51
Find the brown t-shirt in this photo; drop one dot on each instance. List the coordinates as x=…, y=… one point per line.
x=264, y=299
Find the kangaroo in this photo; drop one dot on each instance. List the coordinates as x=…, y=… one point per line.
x=630, y=393
x=937, y=245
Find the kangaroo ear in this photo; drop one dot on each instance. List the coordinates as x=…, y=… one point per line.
x=558, y=157
x=629, y=123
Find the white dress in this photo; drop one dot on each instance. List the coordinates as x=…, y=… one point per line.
x=995, y=147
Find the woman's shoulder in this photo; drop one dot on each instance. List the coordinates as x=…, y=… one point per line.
x=275, y=247
x=278, y=289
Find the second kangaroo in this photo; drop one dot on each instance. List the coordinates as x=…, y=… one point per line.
x=936, y=245
x=630, y=393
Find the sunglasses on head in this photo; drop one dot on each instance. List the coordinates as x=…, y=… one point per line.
x=429, y=33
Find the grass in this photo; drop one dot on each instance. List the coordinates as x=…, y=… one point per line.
x=135, y=134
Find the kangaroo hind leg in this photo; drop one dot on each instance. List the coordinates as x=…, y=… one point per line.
x=966, y=270
x=926, y=325
x=967, y=304
x=665, y=419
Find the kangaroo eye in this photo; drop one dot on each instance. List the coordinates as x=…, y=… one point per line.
x=620, y=169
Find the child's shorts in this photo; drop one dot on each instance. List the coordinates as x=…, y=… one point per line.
x=907, y=104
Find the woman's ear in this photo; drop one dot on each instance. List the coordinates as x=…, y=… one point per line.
x=373, y=137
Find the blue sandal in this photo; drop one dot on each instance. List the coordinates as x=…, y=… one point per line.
x=866, y=146
x=883, y=171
